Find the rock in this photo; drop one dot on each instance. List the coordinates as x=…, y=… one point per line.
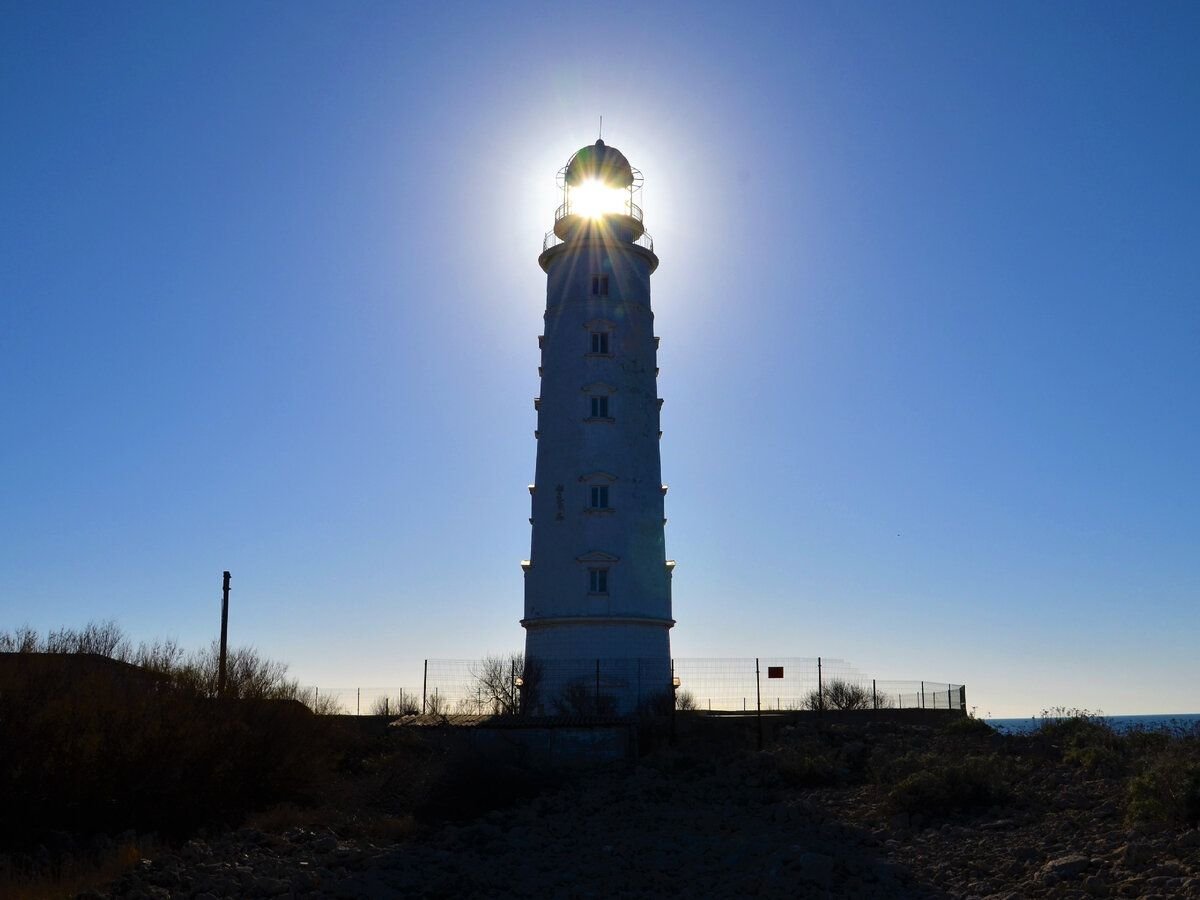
x=324, y=844
x=898, y=821
x=1136, y=854
x=1066, y=867
x=1096, y=886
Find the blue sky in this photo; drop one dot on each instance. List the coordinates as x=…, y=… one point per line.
x=928, y=303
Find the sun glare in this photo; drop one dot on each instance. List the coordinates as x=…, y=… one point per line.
x=594, y=199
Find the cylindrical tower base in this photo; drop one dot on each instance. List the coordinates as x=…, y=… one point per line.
x=597, y=668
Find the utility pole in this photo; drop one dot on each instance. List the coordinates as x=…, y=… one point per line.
x=224, y=634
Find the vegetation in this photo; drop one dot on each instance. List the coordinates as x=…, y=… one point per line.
x=839, y=694
x=91, y=746
x=1166, y=788
x=402, y=704
x=249, y=676
x=496, y=687
x=945, y=787
x=1159, y=769
x=685, y=700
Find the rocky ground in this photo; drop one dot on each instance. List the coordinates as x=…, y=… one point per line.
x=815, y=815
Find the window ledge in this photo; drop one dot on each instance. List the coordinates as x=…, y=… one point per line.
x=600, y=355
x=608, y=420
x=597, y=593
x=599, y=510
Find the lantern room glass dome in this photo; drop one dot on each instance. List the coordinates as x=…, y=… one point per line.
x=599, y=186
x=600, y=163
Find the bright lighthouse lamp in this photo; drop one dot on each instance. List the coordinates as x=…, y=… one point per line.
x=600, y=194
x=593, y=199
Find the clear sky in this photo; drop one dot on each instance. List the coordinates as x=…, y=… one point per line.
x=928, y=301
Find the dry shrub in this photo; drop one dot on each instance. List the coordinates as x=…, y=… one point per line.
x=948, y=787
x=88, y=745
x=1166, y=790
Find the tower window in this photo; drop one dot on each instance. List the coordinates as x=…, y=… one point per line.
x=600, y=342
x=599, y=407
x=599, y=496
x=599, y=285
x=598, y=581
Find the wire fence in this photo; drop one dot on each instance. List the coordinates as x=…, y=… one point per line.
x=509, y=685
x=365, y=701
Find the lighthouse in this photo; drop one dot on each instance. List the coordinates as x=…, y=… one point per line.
x=597, y=582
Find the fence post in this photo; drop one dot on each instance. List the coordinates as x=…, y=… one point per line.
x=900, y=697
x=358, y=701
x=820, y=689
x=922, y=695
x=424, y=684
x=949, y=698
x=758, y=700
x=874, y=696
x=962, y=697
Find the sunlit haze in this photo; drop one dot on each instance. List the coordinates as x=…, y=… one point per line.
x=270, y=299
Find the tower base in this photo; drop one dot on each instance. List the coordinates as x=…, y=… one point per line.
x=616, y=667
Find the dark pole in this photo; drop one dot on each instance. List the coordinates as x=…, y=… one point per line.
x=820, y=688
x=424, y=684
x=758, y=700
x=224, y=634
x=874, y=695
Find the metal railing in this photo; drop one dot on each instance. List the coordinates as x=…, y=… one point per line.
x=628, y=208
x=553, y=240
x=507, y=684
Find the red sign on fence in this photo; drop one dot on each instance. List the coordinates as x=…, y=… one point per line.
x=774, y=671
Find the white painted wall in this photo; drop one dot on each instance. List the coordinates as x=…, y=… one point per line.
x=563, y=620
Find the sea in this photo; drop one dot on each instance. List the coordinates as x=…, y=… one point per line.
x=1171, y=721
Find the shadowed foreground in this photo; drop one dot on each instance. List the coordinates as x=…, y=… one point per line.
x=879, y=810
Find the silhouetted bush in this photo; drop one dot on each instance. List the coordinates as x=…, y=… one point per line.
x=948, y=787
x=839, y=694
x=806, y=768
x=968, y=725
x=403, y=704
x=1166, y=790
x=91, y=744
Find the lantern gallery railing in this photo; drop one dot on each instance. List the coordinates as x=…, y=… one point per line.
x=587, y=208
x=553, y=240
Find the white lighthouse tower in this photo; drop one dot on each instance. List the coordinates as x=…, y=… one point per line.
x=597, y=582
